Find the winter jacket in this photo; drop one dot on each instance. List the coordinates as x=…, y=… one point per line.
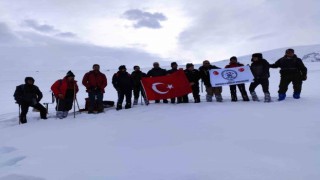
x=27, y=93
x=232, y=65
x=260, y=69
x=172, y=71
x=290, y=66
x=122, y=81
x=193, y=76
x=204, y=74
x=156, y=72
x=62, y=86
x=94, y=81
x=136, y=77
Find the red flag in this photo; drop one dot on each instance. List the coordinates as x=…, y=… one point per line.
x=164, y=87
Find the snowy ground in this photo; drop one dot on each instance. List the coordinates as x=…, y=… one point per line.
x=224, y=141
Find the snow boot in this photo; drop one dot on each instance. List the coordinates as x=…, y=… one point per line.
x=267, y=97
x=119, y=107
x=127, y=106
x=245, y=97
x=282, y=97
x=197, y=99
x=209, y=98
x=296, y=95
x=146, y=101
x=165, y=101
x=135, y=101
x=254, y=96
x=59, y=114
x=65, y=114
x=234, y=98
x=23, y=119
x=219, y=98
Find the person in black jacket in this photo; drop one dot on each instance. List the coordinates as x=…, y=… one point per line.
x=136, y=76
x=193, y=76
x=205, y=76
x=157, y=71
x=260, y=71
x=174, y=68
x=123, y=83
x=292, y=70
x=27, y=95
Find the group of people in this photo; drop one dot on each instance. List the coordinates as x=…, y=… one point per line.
x=291, y=67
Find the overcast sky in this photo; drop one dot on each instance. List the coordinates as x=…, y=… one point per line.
x=177, y=30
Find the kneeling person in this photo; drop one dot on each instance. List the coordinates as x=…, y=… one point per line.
x=65, y=92
x=28, y=95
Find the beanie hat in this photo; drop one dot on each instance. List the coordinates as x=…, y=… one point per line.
x=258, y=55
x=173, y=63
x=70, y=74
x=233, y=58
x=122, y=67
x=189, y=65
x=95, y=65
x=136, y=66
x=27, y=79
x=290, y=50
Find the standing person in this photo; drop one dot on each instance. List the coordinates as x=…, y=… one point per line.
x=123, y=83
x=136, y=76
x=193, y=76
x=233, y=88
x=157, y=71
x=174, y=68
x=292, y=70
x=205, y=76
x=95, y=82
x=65, y=91
x=260, y=71
x=27, y=95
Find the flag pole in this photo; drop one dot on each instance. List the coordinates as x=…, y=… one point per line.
x=144, y=91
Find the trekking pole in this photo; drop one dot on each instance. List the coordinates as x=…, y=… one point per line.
x=57, y=109
x=141, y=99
x=78, y=105
x=19, y=115
x=74, y=100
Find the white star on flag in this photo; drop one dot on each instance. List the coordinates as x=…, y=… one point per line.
x=170, y=86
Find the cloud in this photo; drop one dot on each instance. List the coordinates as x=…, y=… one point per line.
x=41, y=28
x=66, y=35
x=6, y=36
x=47, y=29
x=225, y=28
x=261, y=36
x=36, y=51
x=145, y=19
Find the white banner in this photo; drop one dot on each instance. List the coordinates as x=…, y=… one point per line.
x=230, y=76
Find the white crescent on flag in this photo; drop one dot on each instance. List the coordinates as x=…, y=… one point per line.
x=154, y=87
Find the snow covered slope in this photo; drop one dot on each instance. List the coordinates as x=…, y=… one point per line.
x=225, y=141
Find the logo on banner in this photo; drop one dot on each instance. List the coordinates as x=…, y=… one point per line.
x=162, y=90
x=229, y=74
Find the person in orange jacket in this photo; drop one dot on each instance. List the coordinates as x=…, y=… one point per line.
x=65, y=91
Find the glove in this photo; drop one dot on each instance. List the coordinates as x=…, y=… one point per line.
x=60, y=96
x=304, y=77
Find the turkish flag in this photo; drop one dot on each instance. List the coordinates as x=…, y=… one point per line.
x=164, y=87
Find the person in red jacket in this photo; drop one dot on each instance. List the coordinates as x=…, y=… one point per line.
x=65, y=91
x=95, y=82
x=233, y=88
